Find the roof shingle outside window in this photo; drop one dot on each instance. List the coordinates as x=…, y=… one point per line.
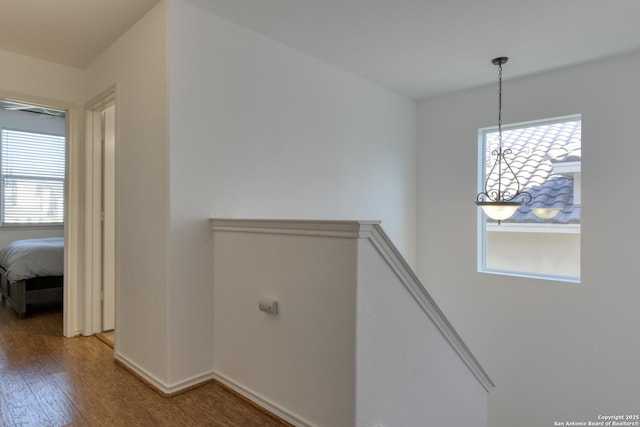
x=536, y=152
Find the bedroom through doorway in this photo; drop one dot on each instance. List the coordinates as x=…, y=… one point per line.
x=33, y=175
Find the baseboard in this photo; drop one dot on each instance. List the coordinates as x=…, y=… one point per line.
x=261, y=402
x=160, y=387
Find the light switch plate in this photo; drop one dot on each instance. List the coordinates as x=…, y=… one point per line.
x=268, y=305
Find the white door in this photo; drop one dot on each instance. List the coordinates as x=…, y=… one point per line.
x=108, y=218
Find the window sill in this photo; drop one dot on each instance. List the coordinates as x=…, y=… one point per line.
x=535, y=276
x=33, y=226
x=509, y=227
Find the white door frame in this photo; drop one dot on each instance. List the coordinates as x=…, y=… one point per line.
x=72, y=234
x=93, y=212
x=108, y=224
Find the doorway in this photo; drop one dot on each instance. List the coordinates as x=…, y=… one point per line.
x=33, y=176
x=101, y=221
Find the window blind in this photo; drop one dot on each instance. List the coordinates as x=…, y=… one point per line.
x=32, y=173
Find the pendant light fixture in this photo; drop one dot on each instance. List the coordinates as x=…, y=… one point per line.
x=500, y=202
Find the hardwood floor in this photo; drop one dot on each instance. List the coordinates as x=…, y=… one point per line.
x=49, y=380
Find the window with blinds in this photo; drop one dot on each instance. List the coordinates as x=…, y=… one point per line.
x=32, y=173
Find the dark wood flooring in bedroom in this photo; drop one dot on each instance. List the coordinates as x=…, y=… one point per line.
x=49, y=380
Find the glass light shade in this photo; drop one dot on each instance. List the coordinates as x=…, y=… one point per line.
x=499, y=211
x=546, y=213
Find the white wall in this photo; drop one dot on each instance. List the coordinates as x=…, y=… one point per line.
x=262, y=130
x=301, y=363
x=259, y=130
x=556, y=351
x=407, y=372
x=35, y=79
x=137, y=63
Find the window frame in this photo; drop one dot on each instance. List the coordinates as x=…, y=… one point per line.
x=514, y=227
x=32, y=225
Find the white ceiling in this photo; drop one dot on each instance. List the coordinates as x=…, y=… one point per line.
x=417, y=47
x=69, y=32
x=426, y=47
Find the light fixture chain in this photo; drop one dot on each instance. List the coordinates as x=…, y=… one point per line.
x=500, y=153
x=500, y=104
x=499, y=204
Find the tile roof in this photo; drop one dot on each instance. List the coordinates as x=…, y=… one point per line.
x=534, y=152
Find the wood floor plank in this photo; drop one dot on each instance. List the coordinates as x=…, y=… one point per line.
x=49, y=380
x=6, y=419
x=52, y=400
x=22, y=405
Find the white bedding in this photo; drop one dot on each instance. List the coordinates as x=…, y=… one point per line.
x=24, y=259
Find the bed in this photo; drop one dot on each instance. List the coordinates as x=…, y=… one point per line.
x=31, y=272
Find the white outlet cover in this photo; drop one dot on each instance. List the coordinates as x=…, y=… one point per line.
x=268, y=305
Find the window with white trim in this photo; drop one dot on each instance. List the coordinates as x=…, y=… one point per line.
x=32, y=174
x=546, y=157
